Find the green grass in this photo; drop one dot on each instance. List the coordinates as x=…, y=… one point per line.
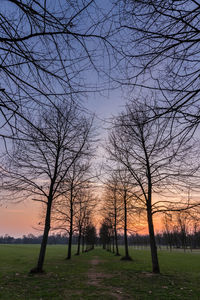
x=64, y=279
x=179, y=278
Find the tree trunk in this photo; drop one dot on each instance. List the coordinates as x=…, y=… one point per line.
x=83, y=243
x=110, y=243
x=126, y=257
x=79, y=241
x=125, y=228
x=154, y=254
x=115, y=230
x=70, y=231
x=39, y=268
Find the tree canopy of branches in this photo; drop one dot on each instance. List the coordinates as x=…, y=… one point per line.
x=47, y=49
x=38, y=167
x=161, y=43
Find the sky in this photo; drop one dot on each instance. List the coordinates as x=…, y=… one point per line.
x=20, y=219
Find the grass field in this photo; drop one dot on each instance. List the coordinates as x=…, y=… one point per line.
x=97, y=274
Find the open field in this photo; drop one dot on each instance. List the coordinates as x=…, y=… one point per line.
x=97, y=275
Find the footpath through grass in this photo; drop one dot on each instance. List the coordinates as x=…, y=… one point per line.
x=97, y=274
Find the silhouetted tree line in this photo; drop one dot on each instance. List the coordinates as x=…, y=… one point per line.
x=169, y=240
x=88, y=240
x=32, y=239
x=173, y=240
x=179, y=240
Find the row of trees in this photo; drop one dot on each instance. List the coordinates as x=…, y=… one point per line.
x=54, y=54
x=47, y=50
x=51, y=164
x=151, y=164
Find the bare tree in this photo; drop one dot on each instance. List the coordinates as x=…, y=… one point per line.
x=157, y=160
x=168, y=229
x=182, y=221
x=106, y=231
x=85, y=209
x=111, y=206
x=90, y=236
x=37, y=168
x=67, y=208
x=118, y=206
x=125, y=193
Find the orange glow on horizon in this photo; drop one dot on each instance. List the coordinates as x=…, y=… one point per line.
x=19, y=219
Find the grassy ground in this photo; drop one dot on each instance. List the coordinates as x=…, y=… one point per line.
x=97, y=274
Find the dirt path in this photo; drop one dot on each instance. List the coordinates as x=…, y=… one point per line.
x=95, y=278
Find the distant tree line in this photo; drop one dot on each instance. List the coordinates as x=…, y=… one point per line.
x=32, y=239
x=88, y=240
x=174, y=240
x=180, y=231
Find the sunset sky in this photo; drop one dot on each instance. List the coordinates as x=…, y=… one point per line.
x=19, y=219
